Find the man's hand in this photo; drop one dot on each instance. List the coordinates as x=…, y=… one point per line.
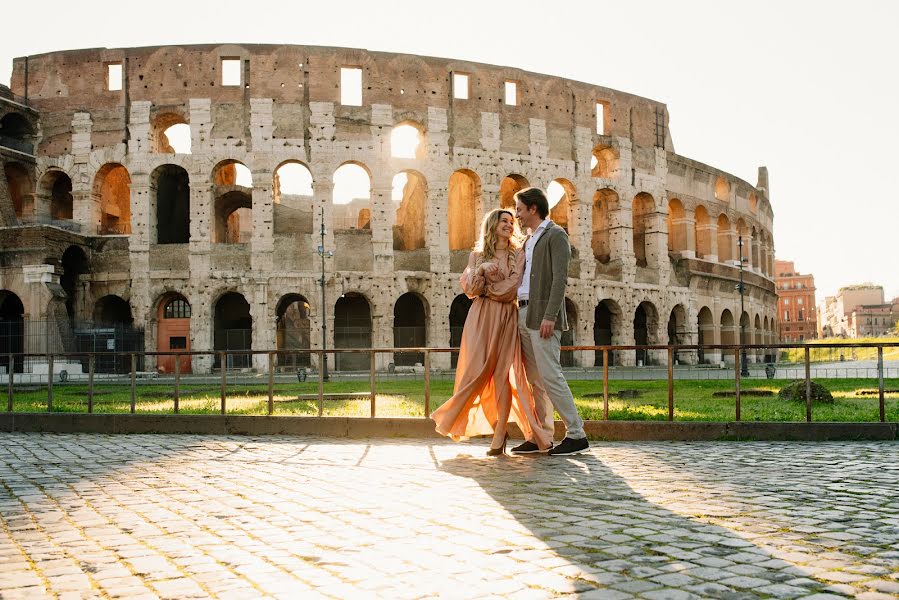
x=547, y=328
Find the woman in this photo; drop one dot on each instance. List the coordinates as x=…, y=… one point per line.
x=490, y=378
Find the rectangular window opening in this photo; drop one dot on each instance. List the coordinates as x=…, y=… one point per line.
x=230, y=71
x=351, y=86
x=511, y=93
x=114, y=77
x=177, y=343
x=601, y=118
x=460, y=86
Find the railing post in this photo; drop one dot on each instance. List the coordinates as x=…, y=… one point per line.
x=177, y=382
x=90, y=383
x=224, y=364
x=133, y=382
x=10, y=373
x=271, y=383
x=737, y=383
x=808, y=386
x=670, y=383
x=605, y=384
x=880, y=383
x=50, y=383
x=427, y=384
x=321, y=382
x=371, y=381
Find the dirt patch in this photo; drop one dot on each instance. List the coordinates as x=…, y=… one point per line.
x=733, y=393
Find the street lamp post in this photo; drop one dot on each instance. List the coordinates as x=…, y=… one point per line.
x=324, y=254
x=744, y=363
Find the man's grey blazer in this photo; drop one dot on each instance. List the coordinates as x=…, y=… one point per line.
x=549, y=276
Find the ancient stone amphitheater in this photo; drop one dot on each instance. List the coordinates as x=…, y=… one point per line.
x=105, y=225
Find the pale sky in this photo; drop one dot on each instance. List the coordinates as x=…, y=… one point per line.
x=809, y=89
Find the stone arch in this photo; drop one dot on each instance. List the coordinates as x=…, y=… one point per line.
x=606, y=328
x=293, y=203
x=352, y=329
x=410, y=196
x=21, y=188
x=646, y=330
x=293, y=331
x=233, y=218
x=605, y=202
x=744, y=328
x=642, y=212
x=728, y=329
x=702, y=232
x=232, y=172
x=756, y=263
x=112, y=192
x=458, y=312
x=567, y=357
x=12, y=331
x=508, y=187
x=605, y=162
x=173, y=314
x=677, y=227
x=677, y=328
x=464, y=199
x=74, y=265
x=56, y=192
x=291, y=178
x=706, y=333
x=722, y=189
x=170, y=202
x=410, y=327
x=725, y=236
x=561, y=211
x=351, y=197
x=407, y=140
x=162, y=126
x=112, y=310
x=232, y=330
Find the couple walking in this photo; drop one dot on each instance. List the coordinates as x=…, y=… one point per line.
x=508, y=364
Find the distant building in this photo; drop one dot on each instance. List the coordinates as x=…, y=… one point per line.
x=858, y=311
x=796, y=315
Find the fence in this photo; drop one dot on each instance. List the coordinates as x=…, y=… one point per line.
x=261, y=382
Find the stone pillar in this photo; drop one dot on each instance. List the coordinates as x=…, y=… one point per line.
x=711, y=336
x=139, y=141
x=492, y=175
x=201, y=326
x=200, y=126
x=711, y=229
x=85, y=208
x=382, y=219
x=263, y=336
x=688, y=223
x=262, y=245
x=200, y=241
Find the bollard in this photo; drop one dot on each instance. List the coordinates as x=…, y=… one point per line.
x=427, y=384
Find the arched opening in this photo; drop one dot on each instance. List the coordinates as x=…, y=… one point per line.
x=233, y=330
x=677, y=227
x=605, y=317
x=743, y=250
x=643, y=209
x=292, y=196
x=561, y=195
x=755, y=251
x=112, y=310
x=703, y=236
x=645, y=330
x=410, y=193
x=508, y=187
x=112, y=191
x=16, y=133
x=232, y=172
x=74, y=265
x=464, y=199
x=406, y=142
x=21, y=188
x=293, y=331
x=728, y=336
x=706, y=331
x=722, y=189
x=605, y=163
x=605, y=201
x=352, y=329
x=351, y=200
x=458, y=313
x=753, y=203
x=745, y=337
x=233, y=218
x=677, y=322
x=567, y=356
x=170, y=134
x=12, y=332
x=173, y=314
x=170, y=194
x=410, y=328
x=56, y=188
x=112, y=329
x=725, y=235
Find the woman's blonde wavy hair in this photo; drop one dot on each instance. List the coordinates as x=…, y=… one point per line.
x=486, y=245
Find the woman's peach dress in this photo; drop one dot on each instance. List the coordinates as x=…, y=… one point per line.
x=490, y=361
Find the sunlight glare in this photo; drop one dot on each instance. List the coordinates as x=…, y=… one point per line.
x=404, y=141
x=399, y=183
x=295, y=179
x=179, y=138
x=554, y=193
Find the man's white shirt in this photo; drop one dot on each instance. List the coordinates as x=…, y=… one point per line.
x=525, y=289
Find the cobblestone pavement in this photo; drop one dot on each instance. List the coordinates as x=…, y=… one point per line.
x=246, y=517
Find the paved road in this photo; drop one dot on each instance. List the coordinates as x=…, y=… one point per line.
x=239, y=517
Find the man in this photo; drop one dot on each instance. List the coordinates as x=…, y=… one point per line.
x=542, y=319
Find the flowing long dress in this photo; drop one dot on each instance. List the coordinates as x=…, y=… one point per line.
x=490, y=360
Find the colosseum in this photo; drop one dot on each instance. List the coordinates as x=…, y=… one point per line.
x=216, y=243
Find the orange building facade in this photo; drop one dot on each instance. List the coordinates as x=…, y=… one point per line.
x=796, y=312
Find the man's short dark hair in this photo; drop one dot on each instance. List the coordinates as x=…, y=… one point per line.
x=534, y=197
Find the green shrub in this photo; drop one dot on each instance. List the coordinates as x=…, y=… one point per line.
x=796, y=391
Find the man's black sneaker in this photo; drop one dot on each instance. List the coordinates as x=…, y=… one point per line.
x=527, y=448
x=570, y=446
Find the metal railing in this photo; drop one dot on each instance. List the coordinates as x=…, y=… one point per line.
x=265, y=363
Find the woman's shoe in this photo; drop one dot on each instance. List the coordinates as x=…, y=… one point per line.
x=499, y=451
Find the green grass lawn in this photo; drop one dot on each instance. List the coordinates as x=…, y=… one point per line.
x=405, y=398
x=850, y=350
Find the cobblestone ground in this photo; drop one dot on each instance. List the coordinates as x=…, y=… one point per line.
x=241, y=517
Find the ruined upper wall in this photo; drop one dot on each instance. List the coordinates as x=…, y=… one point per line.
x=59, y=84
